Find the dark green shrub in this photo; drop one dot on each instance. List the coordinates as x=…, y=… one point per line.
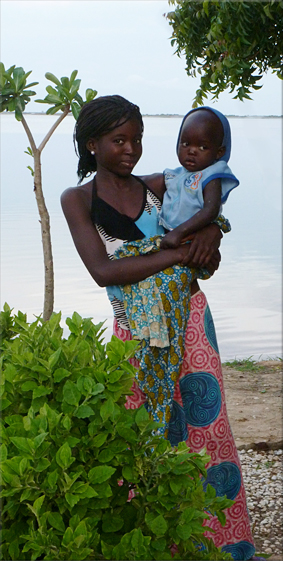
x=71, y=453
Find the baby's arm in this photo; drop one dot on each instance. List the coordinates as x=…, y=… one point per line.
x=209, y=212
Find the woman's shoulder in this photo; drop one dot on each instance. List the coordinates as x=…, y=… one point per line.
x=80, y=195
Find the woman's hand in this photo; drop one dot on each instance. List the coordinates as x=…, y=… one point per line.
x=214, y=263
x=203, y=249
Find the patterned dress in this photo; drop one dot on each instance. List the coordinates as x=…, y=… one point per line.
x=198, y=411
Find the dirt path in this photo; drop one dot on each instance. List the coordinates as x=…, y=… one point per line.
x=254, y=403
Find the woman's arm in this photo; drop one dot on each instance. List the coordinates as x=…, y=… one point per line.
x=106, y=272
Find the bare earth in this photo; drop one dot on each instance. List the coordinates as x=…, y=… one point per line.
x=254, y=403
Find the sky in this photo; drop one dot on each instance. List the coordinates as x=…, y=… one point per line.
x=118, y=47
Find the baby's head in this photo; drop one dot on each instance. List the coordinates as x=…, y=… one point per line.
x=204, y=138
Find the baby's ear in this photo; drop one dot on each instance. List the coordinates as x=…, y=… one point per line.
x=221, y=151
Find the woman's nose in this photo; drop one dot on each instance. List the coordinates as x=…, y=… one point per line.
x=130, y=147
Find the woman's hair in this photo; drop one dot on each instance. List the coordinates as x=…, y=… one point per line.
x=96, y=118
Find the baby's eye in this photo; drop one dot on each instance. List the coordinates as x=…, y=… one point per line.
x=203, y=147
x=138, y=141
x=184, y=144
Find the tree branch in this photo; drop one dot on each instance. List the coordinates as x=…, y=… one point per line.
x=54, y=127
x=29, y=135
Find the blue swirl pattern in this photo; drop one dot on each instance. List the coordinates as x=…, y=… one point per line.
x=225, y=478
x=201, y=397
x=209, y=329
x=240, y=551
x=177, y=430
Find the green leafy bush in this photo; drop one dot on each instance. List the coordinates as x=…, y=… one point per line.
x=82, y=476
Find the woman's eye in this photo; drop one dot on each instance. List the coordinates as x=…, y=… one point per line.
x=138, y=141
x=118, y=141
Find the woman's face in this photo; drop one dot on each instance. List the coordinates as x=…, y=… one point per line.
x=119, y=150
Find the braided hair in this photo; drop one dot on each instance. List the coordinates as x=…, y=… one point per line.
x=96, y=118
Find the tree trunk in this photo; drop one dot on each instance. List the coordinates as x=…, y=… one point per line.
x=46, y=239
x=44, y=215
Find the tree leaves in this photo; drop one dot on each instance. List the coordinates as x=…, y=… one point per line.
x=230, y=44
x=14, y=90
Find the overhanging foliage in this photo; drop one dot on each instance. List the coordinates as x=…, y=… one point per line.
x=231, y=44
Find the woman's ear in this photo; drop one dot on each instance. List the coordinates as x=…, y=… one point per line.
x=91, y=145
x=221, y=151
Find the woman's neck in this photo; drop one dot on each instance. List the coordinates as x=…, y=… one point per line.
x=125, y=194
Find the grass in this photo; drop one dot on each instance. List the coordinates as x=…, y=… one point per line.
x=244, y=364
x=248, y=364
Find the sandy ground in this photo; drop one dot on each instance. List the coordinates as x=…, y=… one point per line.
x=254, y=403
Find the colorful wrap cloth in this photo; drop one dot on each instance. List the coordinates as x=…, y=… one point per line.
x=199, y=417
x=158, y=310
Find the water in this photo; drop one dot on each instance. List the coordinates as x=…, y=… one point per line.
x=245, y=293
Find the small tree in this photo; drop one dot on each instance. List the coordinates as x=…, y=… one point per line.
x=62, y=96
x=231, y=44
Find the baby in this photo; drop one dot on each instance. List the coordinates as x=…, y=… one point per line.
x=196, y=191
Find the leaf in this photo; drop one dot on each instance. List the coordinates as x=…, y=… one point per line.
x=115, y=376
x=142, y=416
x=3, y=453
x=68, y=537
x=53, y=359
x=42, y=464
x=111, y=523
x=128, y=434
x=71, y=393
x=52, y=78
x=99, y=440
x=73, y=76
x=97, y=389
x=4, y=403
x=10, y=372
x=159, y=526
x=40, y=391
x=221, y=517
x=56, y=521
x=75, y=109
x=64, y=456
x=23, y=444
x=67, y=423
x=71, y=499
x=106, y=456
x=39, y=439
x=27, y=386
x=128, y=473
x=99, y=474
x=184, y=532
x=52, y=478
x=60, y=374
x=83, y=412
x=38, y=504
x=107, y=409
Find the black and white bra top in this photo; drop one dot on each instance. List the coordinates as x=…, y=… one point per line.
x=115, y=229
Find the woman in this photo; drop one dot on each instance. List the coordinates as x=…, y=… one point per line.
x=116, y=207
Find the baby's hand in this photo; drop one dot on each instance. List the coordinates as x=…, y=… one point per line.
x=171, y=240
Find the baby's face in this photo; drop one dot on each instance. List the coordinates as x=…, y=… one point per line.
x=200, y=142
